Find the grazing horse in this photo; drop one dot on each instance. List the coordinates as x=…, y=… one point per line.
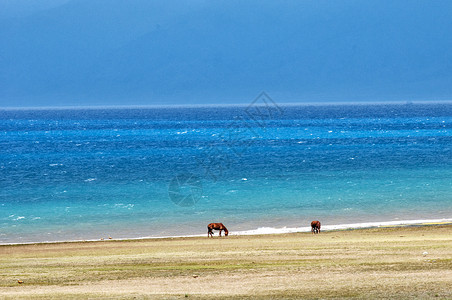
x=315, y=227
x=216, y=226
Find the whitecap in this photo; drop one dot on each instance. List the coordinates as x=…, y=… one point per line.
x=126, y=206
x=90, y=179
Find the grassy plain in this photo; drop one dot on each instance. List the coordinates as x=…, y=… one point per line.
x=383, y=263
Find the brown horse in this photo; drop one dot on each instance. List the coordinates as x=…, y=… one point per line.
x=216, y=226
x=315, y=227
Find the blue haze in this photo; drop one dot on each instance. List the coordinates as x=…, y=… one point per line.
x=84, y=52
x=87, y=174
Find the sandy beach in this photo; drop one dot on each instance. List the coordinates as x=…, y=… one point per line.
x=384, y=263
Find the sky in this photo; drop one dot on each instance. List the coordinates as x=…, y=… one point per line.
x=141, y=52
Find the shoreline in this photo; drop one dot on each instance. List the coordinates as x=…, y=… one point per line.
x=263, y=231
x=410, y=262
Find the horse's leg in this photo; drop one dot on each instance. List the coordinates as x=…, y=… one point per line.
x=220, y=232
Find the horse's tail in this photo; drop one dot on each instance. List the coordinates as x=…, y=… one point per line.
x=209, y=229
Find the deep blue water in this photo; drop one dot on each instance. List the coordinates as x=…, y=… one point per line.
x=86, y=174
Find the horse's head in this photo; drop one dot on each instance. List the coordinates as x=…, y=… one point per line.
x=226, y=232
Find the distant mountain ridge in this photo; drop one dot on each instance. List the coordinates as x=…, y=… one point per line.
x=157, y=52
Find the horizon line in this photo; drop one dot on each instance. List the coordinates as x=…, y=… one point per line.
x=207, y=105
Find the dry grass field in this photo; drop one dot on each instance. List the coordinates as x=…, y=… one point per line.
x=378, y=263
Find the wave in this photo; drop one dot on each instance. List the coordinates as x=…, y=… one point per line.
x=270, y=230
x=273, y=230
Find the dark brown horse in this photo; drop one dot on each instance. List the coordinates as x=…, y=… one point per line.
x=315, y=227
x=216, y=226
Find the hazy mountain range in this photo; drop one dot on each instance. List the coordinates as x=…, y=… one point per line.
x=117, y=52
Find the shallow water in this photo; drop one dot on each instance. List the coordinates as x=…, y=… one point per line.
x=127, y=173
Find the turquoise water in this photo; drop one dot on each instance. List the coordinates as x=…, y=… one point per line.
x=128, y=173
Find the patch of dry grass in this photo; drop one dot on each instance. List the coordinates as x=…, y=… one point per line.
x=371, y=263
